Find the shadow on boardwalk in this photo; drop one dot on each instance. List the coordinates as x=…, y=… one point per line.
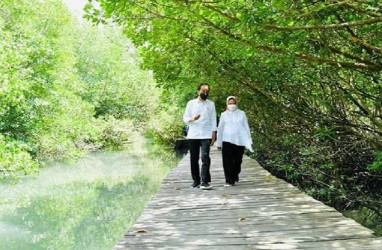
x=261, y=212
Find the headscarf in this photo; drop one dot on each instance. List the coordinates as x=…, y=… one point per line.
x=232, y=97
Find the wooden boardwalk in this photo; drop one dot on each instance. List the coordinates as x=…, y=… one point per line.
x=261, y=212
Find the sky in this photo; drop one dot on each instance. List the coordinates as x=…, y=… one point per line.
x=75, y=6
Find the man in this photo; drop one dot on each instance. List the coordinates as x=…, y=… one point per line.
x=200, y=116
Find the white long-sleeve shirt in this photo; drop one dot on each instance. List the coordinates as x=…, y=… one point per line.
x=233, y=128
x=206, y=124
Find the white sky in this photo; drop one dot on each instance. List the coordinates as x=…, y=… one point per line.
x=75, y=6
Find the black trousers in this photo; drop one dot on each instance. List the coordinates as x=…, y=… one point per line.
x=200, y=148
x=232, y=159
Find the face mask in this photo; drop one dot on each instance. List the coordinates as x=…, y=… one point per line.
x=204, y=95
x=231, y=107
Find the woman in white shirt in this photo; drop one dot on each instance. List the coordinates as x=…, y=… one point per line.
x=233, y=137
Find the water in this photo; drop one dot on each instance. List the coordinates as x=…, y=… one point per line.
x=367, y=218
x=86, y=205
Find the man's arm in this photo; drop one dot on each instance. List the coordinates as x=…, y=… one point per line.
x=213, y=138
x=188, y=117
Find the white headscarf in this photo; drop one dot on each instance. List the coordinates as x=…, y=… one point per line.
x=231, y=97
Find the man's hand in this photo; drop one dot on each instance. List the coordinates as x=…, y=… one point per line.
x=213, y=138
x=195, y=118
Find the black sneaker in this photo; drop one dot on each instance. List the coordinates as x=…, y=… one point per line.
x=195, y=185
x=205, y=186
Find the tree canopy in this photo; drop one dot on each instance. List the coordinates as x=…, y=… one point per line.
x=66, y=87
x=308, y=74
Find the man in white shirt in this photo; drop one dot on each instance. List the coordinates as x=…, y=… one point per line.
x=200, y=116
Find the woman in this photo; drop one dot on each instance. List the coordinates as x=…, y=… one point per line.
x=233, y=137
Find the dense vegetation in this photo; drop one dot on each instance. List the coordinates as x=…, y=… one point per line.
x=308, y=74
x=66, y=87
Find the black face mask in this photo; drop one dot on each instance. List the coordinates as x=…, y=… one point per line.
x=204, y=95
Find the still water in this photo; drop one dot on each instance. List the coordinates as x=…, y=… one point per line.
x=85, y=205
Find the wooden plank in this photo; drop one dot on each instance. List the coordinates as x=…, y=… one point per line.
x=261, y=212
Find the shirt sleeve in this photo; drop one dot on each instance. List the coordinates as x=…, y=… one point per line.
x=246, y=127
x=248, y=132
x=213, y=118
x=187, y=113
x=220, y=130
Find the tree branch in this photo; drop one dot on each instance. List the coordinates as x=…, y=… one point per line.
x=356, y=8
x=327, y=27
x=211, y=7
x=305, y=57
x=355, y=39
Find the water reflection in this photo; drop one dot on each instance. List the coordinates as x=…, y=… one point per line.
x=86, y=205
x=181, y=148
x=367, y=218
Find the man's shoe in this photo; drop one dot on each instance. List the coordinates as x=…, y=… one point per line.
x=195, y=185
x=205, y=186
